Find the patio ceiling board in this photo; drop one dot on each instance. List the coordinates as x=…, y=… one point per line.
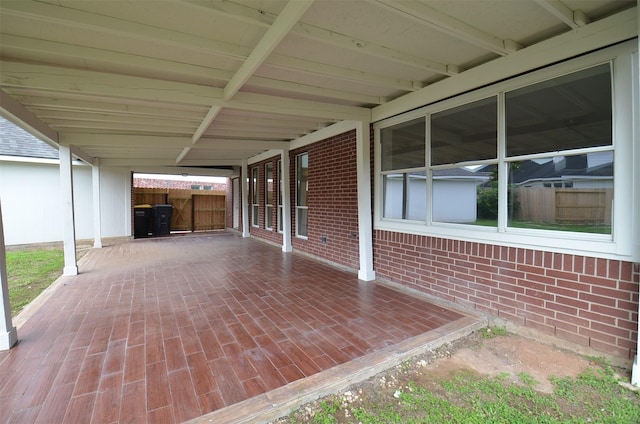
x=245, y=69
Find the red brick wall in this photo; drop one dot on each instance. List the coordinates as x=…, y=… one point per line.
x=261, y=231
x=585, y=300
x=333, y=200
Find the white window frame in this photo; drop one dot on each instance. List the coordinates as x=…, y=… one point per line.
x=299, y=207
x=268, y=207
x=280, y=195
x=255, y=197
x=619, y=244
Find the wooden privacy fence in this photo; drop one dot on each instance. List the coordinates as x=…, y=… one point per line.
x=193, y=210
x=564, y=205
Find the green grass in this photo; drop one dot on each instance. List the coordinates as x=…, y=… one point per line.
x=469, y=398
x=578, y=228
x=29, y=273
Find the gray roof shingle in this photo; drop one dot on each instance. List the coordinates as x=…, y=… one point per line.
x=14, y=141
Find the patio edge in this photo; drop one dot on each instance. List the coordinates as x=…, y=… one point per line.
x=279, y=402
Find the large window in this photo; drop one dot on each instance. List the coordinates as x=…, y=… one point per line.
x=268, y=196
x=302, y=190
x=255, y=198
x=538, y=156
x=559, y=149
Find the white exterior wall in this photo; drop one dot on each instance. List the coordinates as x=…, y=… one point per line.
x=32, y=209
x=115, y=202
x=454, y=201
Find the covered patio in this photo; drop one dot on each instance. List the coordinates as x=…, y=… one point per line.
x=173, y=329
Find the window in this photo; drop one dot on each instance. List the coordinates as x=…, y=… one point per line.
x=255, y=198
x=280, y=196
x=403, y=170
x=268, y=197
x=302, y=190
x=527, y=157
x=465, y=134
x=564, y=191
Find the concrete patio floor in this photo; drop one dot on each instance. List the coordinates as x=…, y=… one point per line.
x=207, y=327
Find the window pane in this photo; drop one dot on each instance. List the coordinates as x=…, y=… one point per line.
x=280, y=183
x=565, y=193
x=405, y=196
x=302, y=172
x=403, y=145
x=254, y=185
x=255, y=215
x=269, y=183
x=466, y=196
x=301, y=222
x=465, y=133
x=569, y=112
x=269, y=216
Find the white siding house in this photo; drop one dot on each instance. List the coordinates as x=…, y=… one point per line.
x=31, y=199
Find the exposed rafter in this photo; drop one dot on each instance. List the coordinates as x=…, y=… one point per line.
x=573, y=18
x=276, y=32
x=269, y=41
x=323, y=35
x=81, y=20
x=421, y=13
x=126, y=89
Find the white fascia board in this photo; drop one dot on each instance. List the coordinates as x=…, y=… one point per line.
x=194, y=172
x=15, y=112
x=614, y=29
x=327, y=132
x=330, y=131
x=41, y=161
x=264, y=156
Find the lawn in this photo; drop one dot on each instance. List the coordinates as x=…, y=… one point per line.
x=30, y=271
x=447, y=393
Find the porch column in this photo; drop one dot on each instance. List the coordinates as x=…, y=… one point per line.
x=95, y=179
x=68, y=219
x=635, y=370
x=8, y=333
x=365, y=230
x=286, y=202
x=244, y=183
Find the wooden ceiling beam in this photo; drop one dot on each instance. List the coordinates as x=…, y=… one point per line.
x=427, y=15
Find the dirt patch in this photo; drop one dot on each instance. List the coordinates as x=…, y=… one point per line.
x=507, y=356
x=511, y=354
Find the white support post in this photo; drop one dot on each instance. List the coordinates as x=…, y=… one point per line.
x=365, y=226
x=286, y=202
x=97, y=228
x=244, y=182
x=8, y=333
x=635, y=370
x=68, y=218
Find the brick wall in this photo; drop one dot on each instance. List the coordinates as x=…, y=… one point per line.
x=588, y=301
x=261, y=230
x=333, y=200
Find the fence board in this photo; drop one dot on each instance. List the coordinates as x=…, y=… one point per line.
x=564, y=205
x=193, y=210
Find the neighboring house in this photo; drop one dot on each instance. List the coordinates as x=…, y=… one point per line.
x=30, y=192
x=455, y=193
x=592, y=170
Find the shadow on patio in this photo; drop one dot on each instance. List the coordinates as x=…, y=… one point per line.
x=171, y=329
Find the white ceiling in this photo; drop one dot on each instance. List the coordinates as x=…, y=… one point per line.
x=167, y=83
